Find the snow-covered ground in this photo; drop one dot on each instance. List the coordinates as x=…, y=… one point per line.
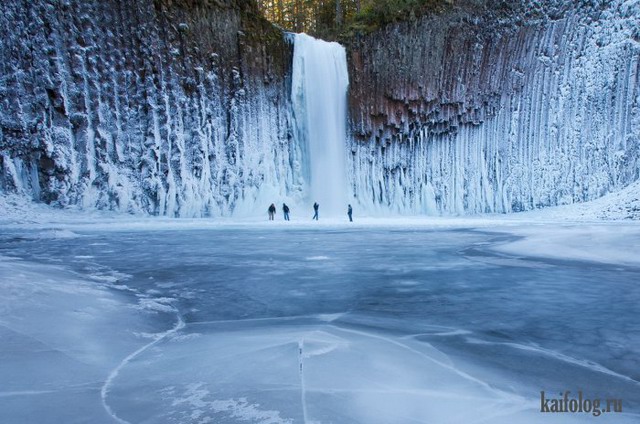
x=605, y=230
x=116, y=318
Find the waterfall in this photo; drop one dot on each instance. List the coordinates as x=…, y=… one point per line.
x=319, y=96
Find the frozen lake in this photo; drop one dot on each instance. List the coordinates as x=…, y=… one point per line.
x=309, y=325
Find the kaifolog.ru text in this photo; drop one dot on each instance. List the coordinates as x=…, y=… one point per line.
x=564, y=403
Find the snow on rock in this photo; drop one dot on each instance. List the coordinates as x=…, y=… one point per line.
x=619, y=205
x=156, y=107
x=483, y=112
x=178, y=108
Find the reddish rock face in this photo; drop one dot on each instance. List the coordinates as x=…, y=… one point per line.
x=478, y=110
x=441, y=71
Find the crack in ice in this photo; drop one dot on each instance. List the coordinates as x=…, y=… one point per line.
x=434, y=360
x=114, y=373
x=303, y=390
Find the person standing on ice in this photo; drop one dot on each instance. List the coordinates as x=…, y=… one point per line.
x=272, y=212
x=350, y=213
x=316, y=206
x=285, y=209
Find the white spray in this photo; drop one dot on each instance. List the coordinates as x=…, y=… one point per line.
x=319, y=95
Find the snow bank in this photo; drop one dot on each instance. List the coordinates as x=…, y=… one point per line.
x=617, y=244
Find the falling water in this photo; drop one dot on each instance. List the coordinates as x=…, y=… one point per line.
x=319, y=96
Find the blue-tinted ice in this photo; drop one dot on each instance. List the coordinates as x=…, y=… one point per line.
x=254, y=325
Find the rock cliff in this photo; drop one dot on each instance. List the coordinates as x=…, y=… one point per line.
x=170, y=107
x=479, y=109
x=182, y=107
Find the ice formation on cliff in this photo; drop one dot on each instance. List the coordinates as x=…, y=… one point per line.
x=544, y=114
x=145, y=109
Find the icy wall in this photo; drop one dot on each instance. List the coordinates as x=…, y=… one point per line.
x=479, y=111
x=319, y=99
x=183, y=107
x=178, y=108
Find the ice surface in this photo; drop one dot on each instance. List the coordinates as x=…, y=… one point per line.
x=171, y=322
x=607, y=243
x=61, y=336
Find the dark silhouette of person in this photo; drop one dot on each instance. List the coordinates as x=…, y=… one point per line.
x=350, y=213
x=272, y=212
x=316, y=206
x=285, y=209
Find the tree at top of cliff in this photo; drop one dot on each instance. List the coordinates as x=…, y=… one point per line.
x=334, y=18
